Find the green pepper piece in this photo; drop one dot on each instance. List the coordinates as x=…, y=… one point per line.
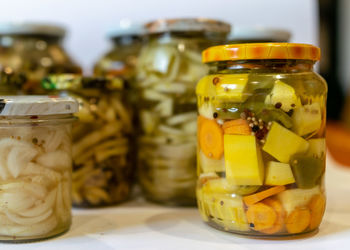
x=307, y=170
x=273, y=114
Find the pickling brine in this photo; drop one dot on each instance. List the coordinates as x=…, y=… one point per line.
x=169, y=67
x=261, y=139
x=35, y=167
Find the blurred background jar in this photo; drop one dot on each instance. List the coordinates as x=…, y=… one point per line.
x=169, y=66
x=11, y=83
x=35, y=50
x=121, y=59
x=258, y=35
x=102, y=169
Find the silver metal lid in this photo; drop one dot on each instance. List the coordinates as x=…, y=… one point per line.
x=37, y=105
x=186, y=25
x=31, y=29
x=126, y=27
x=242, y=34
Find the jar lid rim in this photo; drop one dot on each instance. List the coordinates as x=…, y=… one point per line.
x=28, y=28
x=37, y=105
x=261, y=51
x=187, y=25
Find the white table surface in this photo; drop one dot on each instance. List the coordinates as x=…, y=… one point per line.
x=141, y=225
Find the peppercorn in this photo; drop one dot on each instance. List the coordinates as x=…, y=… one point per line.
x=255, y=128
x=215, y=115
x=278, y=105
x=216, y=80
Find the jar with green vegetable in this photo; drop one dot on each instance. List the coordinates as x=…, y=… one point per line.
x=261, y=139
x=35, y=50
x=168, y=69
x=102, y=169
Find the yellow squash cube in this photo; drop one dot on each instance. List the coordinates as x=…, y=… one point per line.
x=281, y=143
x=232, y=87
x=278, y=173
x=243, y=161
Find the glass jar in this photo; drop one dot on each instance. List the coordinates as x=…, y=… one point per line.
x=261, y=139
x=35, y=50
x=102, y=163
x=169, y=66
x=258, y=35
x=35, y=167
x=121, y=60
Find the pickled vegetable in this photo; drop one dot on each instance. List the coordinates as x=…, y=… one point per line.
x=35, y=181
x=34, y=50
x=167, y=72
x=307, y=119
x=273, y=159
x=282, y=150
x=278, y=173
x=103, y=171
x=307, y=170
x=243, y=162
x=283, y=96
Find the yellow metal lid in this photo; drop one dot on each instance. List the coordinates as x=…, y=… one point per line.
x=259, y=51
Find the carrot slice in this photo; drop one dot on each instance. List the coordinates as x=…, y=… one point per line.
x=281, y=215
x=211, y=138
x=317, y=207
x=234, y=123
x=298, y=220
x=261, y=216
x=254, y=198
x=237, y=127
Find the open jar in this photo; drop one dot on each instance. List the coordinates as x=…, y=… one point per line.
x=102, y=154
x=34, y=50
x=169, y=67
x=35, y=167
x=261, y=139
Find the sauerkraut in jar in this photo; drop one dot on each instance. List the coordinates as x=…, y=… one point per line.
x=169, y=67
x=102, y=154
x=261, y=139
x=35, y=167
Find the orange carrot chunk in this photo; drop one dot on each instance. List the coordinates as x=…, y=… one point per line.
x=281, y=215
x=317, y=207
x=236, y=127
x=233, y=123
x=254, y=198
x=298, y=220
x=211, y=138
x=261, y=216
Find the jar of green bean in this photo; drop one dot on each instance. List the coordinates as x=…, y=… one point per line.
x=169, y=66
x=102, y=169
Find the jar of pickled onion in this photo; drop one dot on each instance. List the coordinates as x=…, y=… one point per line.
x=261, y=139
x=168, y=69
x=35, y=167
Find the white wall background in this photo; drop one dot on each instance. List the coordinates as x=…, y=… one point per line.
x=88, y=20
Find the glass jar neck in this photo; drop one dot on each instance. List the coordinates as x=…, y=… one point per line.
x=126, y=41
x=188, y=35
x=262, y=66
x=12, y=40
